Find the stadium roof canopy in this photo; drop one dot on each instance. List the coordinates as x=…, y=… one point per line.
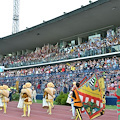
x=99, y=14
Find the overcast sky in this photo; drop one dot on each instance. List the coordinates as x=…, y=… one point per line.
x=33, y=12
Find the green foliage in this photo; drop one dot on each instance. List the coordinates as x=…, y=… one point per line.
x=15, y=96
x=61, y=99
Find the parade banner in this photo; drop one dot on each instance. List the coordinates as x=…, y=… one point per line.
x=91, y=93
x=17, y=86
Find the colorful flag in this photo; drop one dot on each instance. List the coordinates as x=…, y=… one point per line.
x=91, y=93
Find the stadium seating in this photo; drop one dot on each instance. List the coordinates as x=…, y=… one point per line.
x=66, y=73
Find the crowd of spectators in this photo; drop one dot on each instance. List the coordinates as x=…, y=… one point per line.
x=49, y=53
x=85, y=65
x=62, y=75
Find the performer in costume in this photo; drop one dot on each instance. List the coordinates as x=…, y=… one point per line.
x=44, y=103
x=50, y=93
x=117, y=94
x=27, y=95
x=21, y=100
x=70, y=100
x=5, y=95
x=52, y=85
x=1, y=104
x=77, y=102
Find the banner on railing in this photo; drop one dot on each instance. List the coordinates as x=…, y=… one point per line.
x=94, y=38
x=1, y=68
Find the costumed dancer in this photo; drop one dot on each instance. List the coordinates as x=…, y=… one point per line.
x=52, y=85
x=27, y=95
x=21, y=100
x=44, y=103
x=77, y=102
x=1, y=104
x=5, y=95
x=117, y=94
x=50, y=93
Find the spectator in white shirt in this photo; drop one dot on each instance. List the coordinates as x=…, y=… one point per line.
x=34, y=94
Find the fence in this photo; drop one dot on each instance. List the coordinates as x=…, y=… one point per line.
x=58, y=78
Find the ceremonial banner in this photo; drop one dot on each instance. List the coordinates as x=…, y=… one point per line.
x=17, y=86
x=91, y=93
x=102, y=91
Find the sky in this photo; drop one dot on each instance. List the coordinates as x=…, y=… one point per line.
x=33, y=12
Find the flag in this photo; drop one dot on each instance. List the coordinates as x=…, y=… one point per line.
x=91, y=93
x=17, y=85
x=68, y=64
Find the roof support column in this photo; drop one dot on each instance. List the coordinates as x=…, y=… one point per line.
x=62, y=44
x=1, y=56
x=18, y=53
x=23, y=52
x=13, y=53
x=28, y=51
x=79, y=40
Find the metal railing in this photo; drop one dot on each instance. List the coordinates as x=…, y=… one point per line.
x=58, y=57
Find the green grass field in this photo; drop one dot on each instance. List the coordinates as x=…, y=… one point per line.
x=40, y=101
x=109, y=107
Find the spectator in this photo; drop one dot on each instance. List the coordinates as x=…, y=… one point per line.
x=34, y=94
x=38, y=88
x=65, y=89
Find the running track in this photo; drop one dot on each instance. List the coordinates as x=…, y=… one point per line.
x=38, y=113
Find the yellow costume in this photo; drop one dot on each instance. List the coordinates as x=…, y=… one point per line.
x=27, y=95
x=5, y=95
x=50, y=93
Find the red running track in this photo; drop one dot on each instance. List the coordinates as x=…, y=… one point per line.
x=58, y=113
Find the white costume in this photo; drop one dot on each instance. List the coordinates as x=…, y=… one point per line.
x=20, y=103
x=1, y=104
x=21, y=100
x=44, y=103
x=70, y=101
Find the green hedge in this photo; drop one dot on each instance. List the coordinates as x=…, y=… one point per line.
x=61, y=99
x=15, y=96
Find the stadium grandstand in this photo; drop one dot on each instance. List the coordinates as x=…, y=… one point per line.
x=66, y=49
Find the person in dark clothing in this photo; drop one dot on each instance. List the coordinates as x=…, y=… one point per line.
x=10, y=95
x=64, y=89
